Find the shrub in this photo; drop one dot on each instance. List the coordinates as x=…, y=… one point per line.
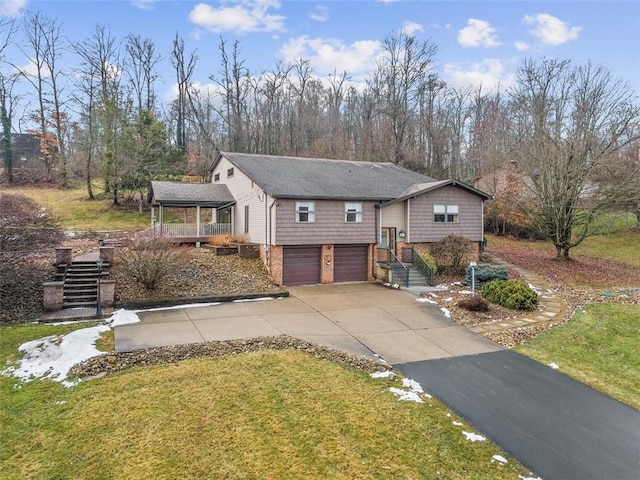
x=512, y=294
x=149, y=261
x=474, y=304
x=429, y=260
x=226, y=240
x=450, y=253
x=486, y=273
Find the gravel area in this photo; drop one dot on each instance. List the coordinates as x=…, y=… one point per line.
x=572, y=297
x=118, y=361
x=203, y=274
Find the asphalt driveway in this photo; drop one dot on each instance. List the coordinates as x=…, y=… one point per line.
x=556, y=426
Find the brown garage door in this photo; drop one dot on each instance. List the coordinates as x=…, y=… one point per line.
x=350, y=263
x=301, y=265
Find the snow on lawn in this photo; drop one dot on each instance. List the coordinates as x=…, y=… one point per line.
x=554, y=365
x=499, y=458
x=473, y=437
x=412, y=391
x=53, y=356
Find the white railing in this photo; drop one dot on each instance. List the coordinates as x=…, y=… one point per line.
x=191, y=229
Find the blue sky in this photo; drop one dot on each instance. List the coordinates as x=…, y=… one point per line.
x=479, y=42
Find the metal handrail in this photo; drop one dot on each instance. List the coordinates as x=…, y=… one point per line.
x=394, y=262
x=423, y=267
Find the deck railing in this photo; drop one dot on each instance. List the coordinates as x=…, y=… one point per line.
x=191, y=229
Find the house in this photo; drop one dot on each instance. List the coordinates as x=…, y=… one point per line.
x=325, y=221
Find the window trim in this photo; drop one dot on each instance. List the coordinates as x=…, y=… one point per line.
x=446, y=213
x=353, y=208
x=216, y=177
x=310, y=212
x=230, y=172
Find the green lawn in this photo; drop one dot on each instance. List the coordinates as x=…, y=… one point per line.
x=76, y=212
x=623, y=247
x=266, y=415
x=599, y=346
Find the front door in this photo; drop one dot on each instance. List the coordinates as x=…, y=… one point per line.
x=388, y=239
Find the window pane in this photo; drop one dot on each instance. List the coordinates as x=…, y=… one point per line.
x=439, y=217
x=439, y=209
x=452, y=208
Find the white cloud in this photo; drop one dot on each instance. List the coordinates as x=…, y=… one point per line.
x=212, y=90
x=551, y=30
x=522, y=46
x=328, y=55
x=31, y=70
x=239, y=16
x=11, y=8
x=478, y=33
x=143, y=4
x=411, y=27
x=488, y=73
x=320, y=13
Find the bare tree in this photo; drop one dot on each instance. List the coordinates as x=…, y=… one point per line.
x=6, y=98
x=400, y=74
x=571, y=123
x=36, y=28
x=184, y=72
x=141, y=64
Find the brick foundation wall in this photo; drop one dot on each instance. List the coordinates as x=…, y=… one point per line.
x=275, y=263
x=326, y=267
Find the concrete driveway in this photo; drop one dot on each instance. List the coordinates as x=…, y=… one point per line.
x=361, y=318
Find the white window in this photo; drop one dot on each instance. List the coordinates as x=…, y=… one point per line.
x=305, y=212
x=445, y=213
x=353, y=212
x=216, y=177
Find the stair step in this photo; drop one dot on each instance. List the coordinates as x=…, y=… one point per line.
x=87, y=298
x=79, y=304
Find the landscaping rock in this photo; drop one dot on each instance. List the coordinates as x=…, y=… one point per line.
x=118, y=361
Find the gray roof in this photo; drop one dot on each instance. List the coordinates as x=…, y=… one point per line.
x=420, y=188
x=320, y=178
x=184, y=194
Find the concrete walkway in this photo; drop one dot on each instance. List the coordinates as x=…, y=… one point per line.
x=361, y=318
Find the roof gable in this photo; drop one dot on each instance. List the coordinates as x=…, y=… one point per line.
x=319, y=178
x=421, y=188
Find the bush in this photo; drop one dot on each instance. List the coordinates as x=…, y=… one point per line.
x=450, y=253
x=149, y=261
x=474, y=304
x=486, y=273
x=429, y=260
x=511, y=294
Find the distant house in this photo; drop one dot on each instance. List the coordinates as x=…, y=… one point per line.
x=25, y=150
x=325, y=221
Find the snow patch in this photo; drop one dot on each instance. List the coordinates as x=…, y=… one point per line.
x=529, y=478
x=385, y=374
x=252, y=299
x=446, y=312
x=53, y=356
x=473, y=437
x=413, y=394
x=499, y=458
x=457, y=424
x=554, y=365
x=426, y=300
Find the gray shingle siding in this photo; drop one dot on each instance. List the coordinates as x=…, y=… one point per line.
x=329, y=226
x=424, y=229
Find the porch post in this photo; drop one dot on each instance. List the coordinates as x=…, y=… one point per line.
x=161, y=218
x=197, y=220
